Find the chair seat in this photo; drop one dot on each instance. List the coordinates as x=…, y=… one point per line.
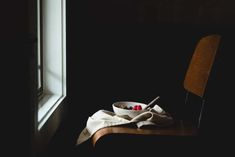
x=179, y=128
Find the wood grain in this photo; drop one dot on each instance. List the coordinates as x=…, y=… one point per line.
x=201, y=63
x=180, y=128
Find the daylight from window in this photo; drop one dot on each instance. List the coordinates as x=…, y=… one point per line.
x=51, y=57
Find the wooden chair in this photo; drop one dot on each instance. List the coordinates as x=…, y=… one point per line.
x=195, y=82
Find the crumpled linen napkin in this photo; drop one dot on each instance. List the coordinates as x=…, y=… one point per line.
x=103, y=118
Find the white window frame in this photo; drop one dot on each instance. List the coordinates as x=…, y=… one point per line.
x=54, y=57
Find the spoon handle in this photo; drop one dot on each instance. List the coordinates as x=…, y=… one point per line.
x=152, y=102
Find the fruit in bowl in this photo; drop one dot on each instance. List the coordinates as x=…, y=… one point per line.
x=128, y=108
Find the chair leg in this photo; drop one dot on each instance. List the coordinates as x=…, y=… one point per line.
x=200, y=114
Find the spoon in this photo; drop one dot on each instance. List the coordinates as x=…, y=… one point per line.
x=151, y=103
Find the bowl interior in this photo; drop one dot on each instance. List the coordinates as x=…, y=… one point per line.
x=127, y=104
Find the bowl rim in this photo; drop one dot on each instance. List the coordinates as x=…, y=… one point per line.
x=129, y=102
x=119, y=102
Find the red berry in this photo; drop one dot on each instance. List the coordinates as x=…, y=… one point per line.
x=139, y=107
x=135, y=107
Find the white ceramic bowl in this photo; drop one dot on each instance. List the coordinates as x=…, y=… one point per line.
x=118, y=108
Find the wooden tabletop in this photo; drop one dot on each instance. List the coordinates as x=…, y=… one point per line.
x=178, y=129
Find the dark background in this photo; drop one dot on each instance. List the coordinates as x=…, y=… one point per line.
x=119, y=50
x=136, y=50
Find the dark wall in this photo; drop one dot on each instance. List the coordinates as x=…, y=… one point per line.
x=201, y=12
x=16, y=46
x=136, y=50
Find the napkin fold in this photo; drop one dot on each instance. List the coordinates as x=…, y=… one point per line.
x=103, y=118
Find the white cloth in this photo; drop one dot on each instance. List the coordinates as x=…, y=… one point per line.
x=103, y=118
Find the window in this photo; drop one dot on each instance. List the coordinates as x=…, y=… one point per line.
x=51, y=57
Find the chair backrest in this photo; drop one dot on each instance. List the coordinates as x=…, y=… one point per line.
x=200, y=65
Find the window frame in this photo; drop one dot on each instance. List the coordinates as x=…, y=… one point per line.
x=39, y=50
x=52, y=46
